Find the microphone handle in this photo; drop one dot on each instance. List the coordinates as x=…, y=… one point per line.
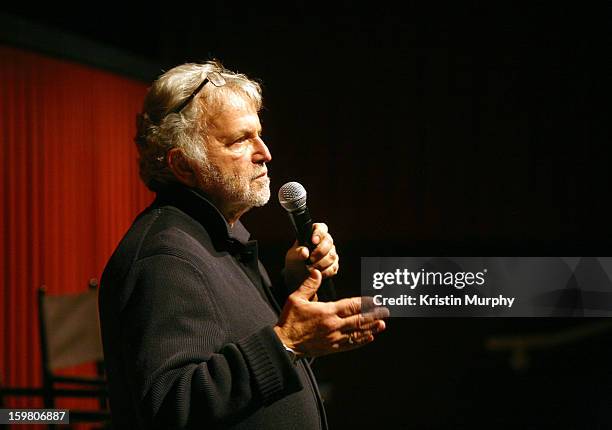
x=302, y=223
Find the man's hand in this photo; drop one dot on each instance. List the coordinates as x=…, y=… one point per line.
x=313, y=329
x=324, y=258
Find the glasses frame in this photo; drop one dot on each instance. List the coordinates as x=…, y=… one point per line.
x=214, y=78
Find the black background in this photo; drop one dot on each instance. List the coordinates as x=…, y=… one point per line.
x=426, y=128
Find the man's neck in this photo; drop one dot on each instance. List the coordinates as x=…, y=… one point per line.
x=231, y=213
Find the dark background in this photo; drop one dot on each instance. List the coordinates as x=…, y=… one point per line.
x=430, y=128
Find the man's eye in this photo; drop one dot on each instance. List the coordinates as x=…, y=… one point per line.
x=239, y=145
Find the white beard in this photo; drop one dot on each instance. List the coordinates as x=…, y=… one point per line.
x=236, y=190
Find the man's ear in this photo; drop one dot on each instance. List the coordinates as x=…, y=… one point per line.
x=181, y=167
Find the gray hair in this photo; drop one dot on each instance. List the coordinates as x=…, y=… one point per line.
x=159, y=129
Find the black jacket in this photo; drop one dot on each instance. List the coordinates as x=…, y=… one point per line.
x=187, y=314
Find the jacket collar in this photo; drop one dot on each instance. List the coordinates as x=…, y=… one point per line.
x=194, y=203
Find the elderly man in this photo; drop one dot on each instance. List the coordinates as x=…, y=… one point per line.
x=193, y=334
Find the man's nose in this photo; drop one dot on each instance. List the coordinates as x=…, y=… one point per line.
x=261, y=153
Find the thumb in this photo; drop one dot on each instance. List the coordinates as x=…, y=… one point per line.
x=310, y=286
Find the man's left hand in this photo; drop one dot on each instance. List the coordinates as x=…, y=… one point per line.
x=323, y=258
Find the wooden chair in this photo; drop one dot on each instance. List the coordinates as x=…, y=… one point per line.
x=70, y=336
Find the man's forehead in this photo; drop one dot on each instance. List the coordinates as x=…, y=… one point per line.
x=232, y=102
x=234, y=114
x=234, y=120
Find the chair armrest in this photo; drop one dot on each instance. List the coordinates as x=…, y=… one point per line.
x=21, y=391
x=83, y=380
x=76, y=392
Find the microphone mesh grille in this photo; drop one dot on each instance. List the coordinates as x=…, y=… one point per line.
x=292, y=196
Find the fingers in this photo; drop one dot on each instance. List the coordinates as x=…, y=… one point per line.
x=324, y=256
x=330, y=271
x=308, y=289
x=302, y=253
x=357, y=340
x=319, y=230
x=366, y=320
x=317, y=329
x=360, y=321
x=354, y=305
x=354, y=340
x=298, y=252
x=324, y=246
x=329, y=263
x=347, y=307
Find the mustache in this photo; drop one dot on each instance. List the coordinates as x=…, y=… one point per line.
x=260, y=172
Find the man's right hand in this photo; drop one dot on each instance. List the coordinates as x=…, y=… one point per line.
x=318, y=328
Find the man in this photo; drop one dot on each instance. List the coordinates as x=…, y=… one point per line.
x=193, y=337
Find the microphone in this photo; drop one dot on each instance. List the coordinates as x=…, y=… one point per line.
x=292, y=197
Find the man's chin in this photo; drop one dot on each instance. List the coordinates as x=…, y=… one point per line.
x=262, y=196
x=261, y=200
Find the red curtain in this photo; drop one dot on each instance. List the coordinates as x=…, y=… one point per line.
x=69, y=189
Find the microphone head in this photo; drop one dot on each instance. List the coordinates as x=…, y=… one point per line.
x=292, y=196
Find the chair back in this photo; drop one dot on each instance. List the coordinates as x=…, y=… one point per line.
x=70, y=329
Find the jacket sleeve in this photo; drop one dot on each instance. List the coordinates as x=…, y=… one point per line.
x=185, y=370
